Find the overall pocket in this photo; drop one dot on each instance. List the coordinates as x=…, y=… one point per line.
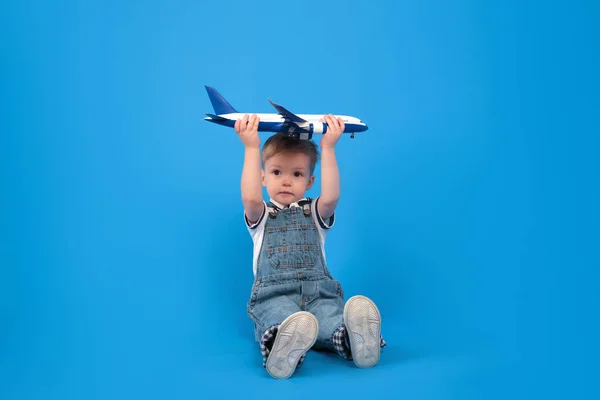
x=293, y=242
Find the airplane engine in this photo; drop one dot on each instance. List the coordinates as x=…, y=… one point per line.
x=317, y=127
x=306, y=132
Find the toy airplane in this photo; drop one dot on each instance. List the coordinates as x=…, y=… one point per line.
x=302, y=126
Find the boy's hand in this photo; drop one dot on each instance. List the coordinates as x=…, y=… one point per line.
x=247, y=130
x=335, y=128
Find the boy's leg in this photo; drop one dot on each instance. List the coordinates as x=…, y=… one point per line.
x=269, y=308
x=328, y=307
x=270, y=305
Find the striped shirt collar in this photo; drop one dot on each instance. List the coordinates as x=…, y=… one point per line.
x=280, y=206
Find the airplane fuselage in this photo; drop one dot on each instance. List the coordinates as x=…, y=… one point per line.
x=276, y=123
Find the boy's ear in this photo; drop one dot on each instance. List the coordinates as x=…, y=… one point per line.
x=262, y=176
x=310, y=182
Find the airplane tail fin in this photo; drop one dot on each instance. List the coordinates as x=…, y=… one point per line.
x=220, y=105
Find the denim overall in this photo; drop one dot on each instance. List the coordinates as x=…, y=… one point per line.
x=292, y=276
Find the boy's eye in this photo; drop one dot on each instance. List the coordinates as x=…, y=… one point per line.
x=276, y=172
x=297, y=174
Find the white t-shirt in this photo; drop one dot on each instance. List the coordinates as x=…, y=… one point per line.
x=257, y=230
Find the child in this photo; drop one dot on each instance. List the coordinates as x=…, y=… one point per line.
x=295, y=303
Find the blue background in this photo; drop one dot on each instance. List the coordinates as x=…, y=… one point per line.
x=469, y=209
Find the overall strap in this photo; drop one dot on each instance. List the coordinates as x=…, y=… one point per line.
x=305, y=204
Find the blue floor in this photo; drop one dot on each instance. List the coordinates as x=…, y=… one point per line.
x=153, y=310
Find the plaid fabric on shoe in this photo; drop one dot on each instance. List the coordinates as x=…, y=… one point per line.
x=266, y=344
x=341, y=342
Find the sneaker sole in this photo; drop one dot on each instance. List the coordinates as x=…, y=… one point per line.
x=363, y=322
x=295, y=336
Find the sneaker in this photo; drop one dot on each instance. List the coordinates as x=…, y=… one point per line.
x=295, y=336
x=363, y=324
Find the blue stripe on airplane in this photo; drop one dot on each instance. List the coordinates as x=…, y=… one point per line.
x=283, y=127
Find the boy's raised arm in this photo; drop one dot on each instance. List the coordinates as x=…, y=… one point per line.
x=330, y=175
x=247, y=130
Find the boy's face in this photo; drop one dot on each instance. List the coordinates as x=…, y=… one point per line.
x=287, y=176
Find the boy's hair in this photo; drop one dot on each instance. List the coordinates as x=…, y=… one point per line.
x=283, y=142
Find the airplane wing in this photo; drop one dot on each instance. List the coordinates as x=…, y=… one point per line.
x=288, y=115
